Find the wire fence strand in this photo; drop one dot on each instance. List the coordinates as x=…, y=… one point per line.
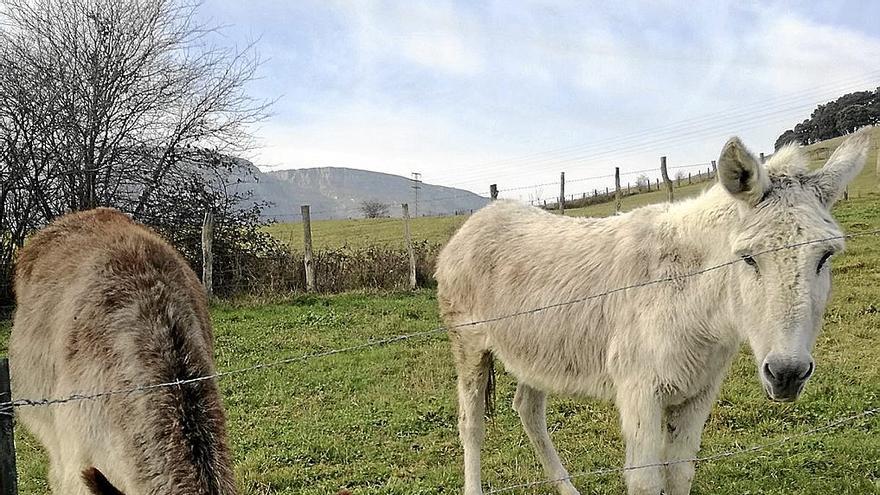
x=7, y=406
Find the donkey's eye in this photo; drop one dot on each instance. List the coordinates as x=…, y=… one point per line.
x=750, y=261
x=822, y=260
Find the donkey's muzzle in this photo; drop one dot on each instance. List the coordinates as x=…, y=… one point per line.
x=785, y=379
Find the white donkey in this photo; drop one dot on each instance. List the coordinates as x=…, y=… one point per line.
x=660, y=352
x=105, y=304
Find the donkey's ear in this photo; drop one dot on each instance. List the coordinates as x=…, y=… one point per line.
x=740, y=173
x=844, y=165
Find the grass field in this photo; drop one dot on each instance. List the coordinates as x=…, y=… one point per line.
x=329, y=234
x=389, y=231
x=367, y=232
x=382, y=420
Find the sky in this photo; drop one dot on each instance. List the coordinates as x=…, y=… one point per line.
x=515, y=92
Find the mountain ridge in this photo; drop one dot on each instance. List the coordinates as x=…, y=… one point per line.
x=337, y=192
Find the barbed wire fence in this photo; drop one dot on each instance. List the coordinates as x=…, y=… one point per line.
x=381, y=243
x=7, y=407
x=316, y=260
x=689, y=129
x=405, y=238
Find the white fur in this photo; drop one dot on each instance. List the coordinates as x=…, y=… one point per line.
x=660, y=352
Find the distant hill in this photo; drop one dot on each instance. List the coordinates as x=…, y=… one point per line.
x=337, y=192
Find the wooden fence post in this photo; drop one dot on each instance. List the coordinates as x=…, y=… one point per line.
x=617, y=189
x=562, y=193
x=8, y=475
x=665, y=175
x=689, y=178
x=493, y=191
x=308, y=262
x=762, y=157
x=409, y=247
x=208, y=254
x=714, y=168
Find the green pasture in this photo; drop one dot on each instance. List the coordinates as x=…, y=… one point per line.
x=383, y=420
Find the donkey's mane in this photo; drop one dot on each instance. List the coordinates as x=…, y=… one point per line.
x=788, y=176
x=790, y=160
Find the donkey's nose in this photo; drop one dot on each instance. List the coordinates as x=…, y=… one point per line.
x=786, y=378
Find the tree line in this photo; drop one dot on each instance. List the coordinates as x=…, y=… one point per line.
x=837, y=118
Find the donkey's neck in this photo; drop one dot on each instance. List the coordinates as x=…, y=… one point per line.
x=705, y=223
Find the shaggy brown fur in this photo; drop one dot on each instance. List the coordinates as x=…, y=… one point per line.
x=98, y=484
x=105, y=304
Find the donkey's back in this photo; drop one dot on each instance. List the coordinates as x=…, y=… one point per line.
x=104, y=304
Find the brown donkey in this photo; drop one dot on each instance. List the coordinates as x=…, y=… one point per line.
x=105, y=304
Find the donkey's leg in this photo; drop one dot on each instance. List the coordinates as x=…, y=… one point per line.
x=684, y=426
x=640, y=421
x=473, y=368
x=531, y=406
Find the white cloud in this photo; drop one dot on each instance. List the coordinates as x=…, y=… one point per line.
x=435, y=35
x=366, y=136
x=800, y=54
x=605, y=62
x=535, y=81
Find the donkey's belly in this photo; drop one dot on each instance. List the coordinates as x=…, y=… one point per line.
x=597, y=385
x=556, y=369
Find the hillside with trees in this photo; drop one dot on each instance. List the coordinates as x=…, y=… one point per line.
x=837, y=118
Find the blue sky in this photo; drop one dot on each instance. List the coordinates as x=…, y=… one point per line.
x=473, y=93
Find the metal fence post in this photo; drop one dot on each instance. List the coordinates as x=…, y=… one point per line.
x=409, y=248
x=562, y=193
x=208, y=254
x=308, y=260
x=665, y=175
x=8, y=475
x=617, y=189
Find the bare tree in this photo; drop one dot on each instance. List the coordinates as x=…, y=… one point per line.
x=374, y=209
x=103, y=102
x=536, y=195
x=643, y=182
x=680, y=175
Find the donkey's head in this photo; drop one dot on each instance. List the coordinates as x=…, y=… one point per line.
x=785, y=236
